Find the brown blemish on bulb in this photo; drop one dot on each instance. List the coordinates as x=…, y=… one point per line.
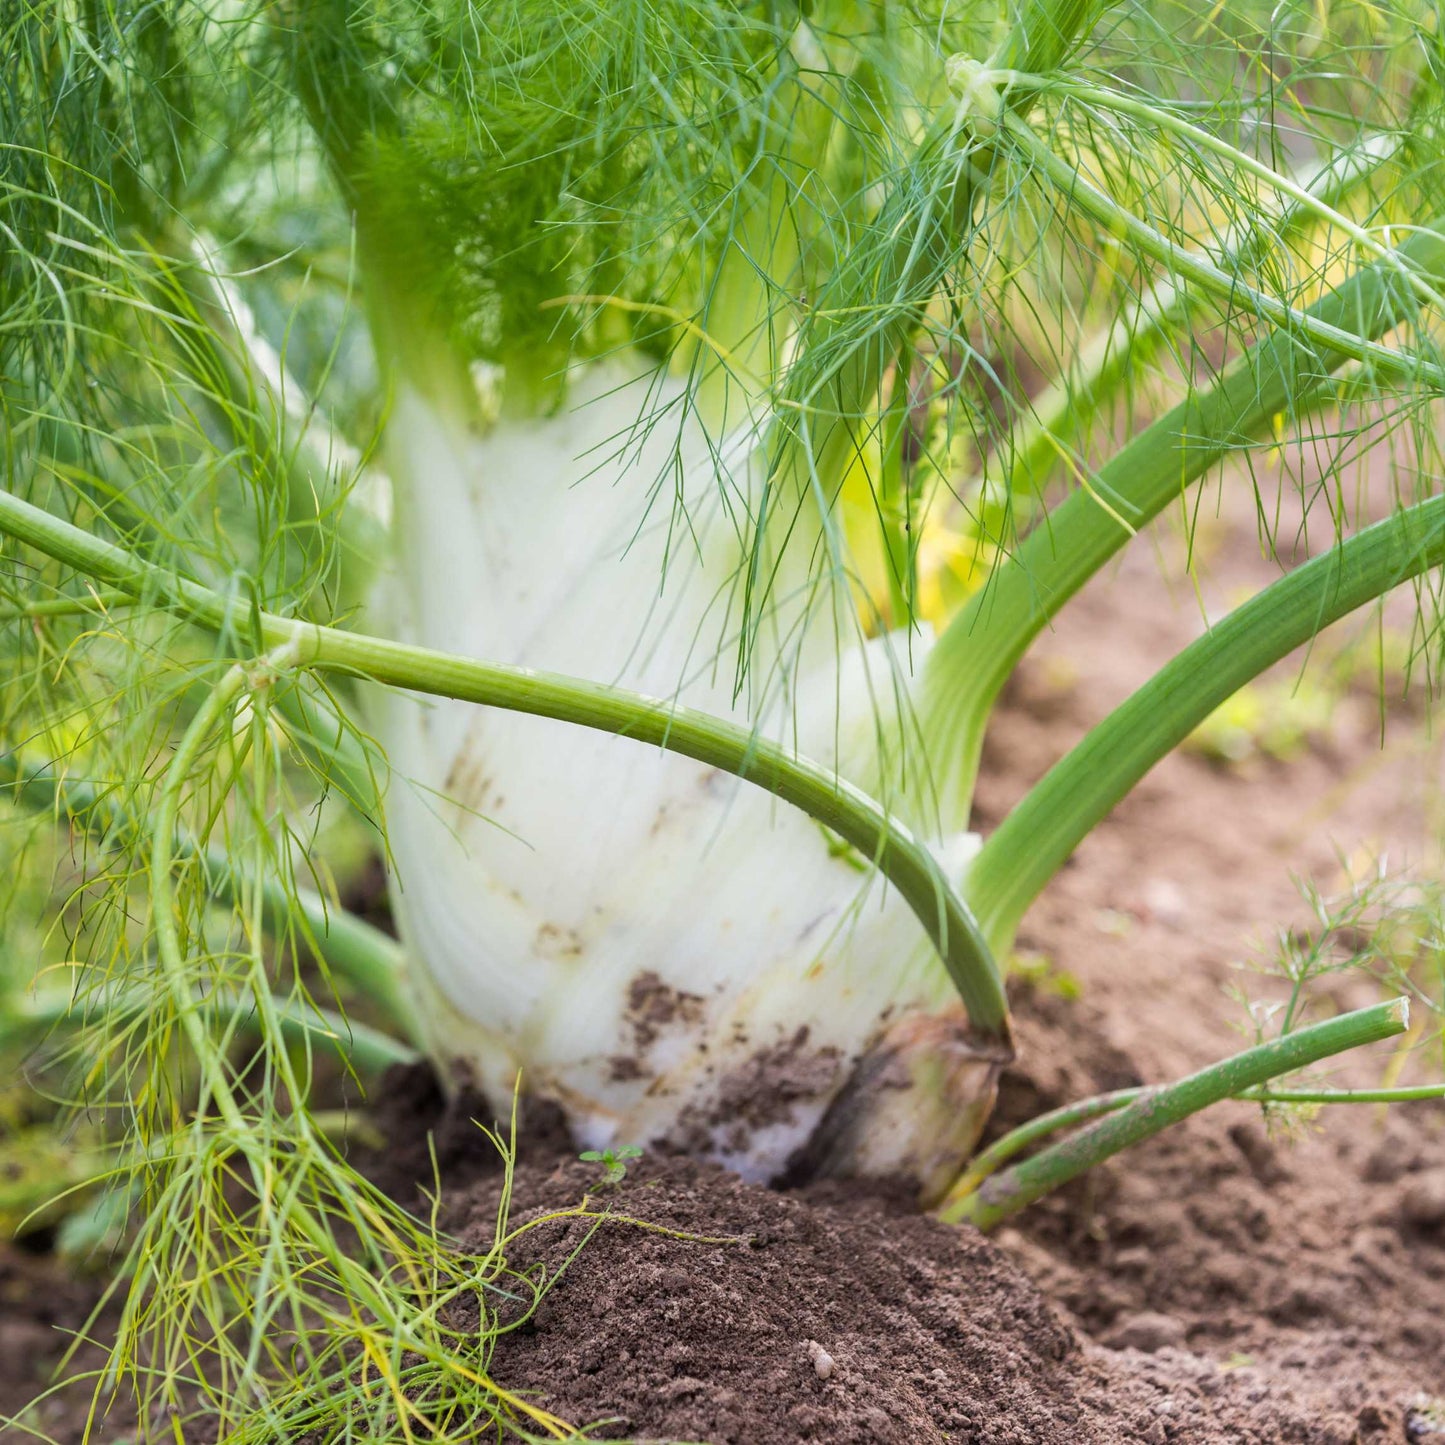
x=464, y=781
x=624, y=1069
x=714, y=782
x=764, y=1090
x=561, y=944
x=653, y=1005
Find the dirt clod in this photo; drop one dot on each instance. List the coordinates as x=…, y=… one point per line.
x=1423, y=1202
x=1148, y=1332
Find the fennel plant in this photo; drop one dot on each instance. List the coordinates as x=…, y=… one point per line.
x=622, y=450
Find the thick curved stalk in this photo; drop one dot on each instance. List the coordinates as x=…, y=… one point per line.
x=904, y=860
x=837, y=375
x=989, y=1161
x=1035, y=839
x=984, y=643
x=1005, y=1194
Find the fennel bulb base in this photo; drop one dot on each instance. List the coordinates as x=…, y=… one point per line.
x=675, y=958
x=910, y=1109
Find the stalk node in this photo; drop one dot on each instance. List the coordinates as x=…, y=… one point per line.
x=981, y=102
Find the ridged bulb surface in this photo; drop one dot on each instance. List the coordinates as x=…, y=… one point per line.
x=670, y=954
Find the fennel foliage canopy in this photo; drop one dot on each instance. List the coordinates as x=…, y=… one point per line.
x=754, y=379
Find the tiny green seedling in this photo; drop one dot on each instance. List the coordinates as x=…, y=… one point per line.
x=613, y=1161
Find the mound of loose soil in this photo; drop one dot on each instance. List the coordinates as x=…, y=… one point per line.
x=842, y=1315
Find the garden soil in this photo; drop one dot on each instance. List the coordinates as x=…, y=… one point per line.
x=1226, y=1282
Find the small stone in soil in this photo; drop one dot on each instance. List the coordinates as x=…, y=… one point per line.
x=823, y=1362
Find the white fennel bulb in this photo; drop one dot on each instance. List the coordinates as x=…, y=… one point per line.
x=671, y=955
